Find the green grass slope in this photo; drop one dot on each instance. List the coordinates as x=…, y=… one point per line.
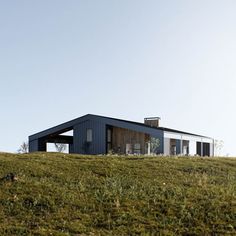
x=58, y=194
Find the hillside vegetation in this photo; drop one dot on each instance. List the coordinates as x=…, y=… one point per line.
x=59, y=194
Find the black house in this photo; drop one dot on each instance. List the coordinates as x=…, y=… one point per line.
x=93, y=134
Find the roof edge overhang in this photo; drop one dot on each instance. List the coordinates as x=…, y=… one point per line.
x=67, y=126
x=58, y=129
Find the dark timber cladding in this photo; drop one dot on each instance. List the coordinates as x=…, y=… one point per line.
x=94, y=134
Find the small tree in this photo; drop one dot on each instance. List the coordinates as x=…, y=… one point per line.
x=218, y=145
x=153, y=145
x=24, y=148
x=60, y=147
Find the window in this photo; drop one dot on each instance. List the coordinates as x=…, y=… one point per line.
x=137, y=148
x=89, y=137
x=109, y=135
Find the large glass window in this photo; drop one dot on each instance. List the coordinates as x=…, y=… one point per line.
x=89, y=135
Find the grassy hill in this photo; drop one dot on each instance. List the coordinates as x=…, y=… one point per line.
x=59, y=194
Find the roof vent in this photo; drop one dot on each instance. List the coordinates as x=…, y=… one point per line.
x=152, y=121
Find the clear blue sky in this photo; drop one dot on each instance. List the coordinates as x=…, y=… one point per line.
x=127, y=59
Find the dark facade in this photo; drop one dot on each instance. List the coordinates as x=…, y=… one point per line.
x=94, y=134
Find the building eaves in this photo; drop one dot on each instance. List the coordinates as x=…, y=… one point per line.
x=157, y=128
x=68, y=125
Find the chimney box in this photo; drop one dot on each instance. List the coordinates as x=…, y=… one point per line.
x=152, y=121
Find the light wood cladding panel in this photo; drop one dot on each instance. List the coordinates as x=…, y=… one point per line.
x=121, y=137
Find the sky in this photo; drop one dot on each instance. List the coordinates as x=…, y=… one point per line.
x=127, y=59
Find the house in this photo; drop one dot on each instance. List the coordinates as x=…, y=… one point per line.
x=93, y=134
